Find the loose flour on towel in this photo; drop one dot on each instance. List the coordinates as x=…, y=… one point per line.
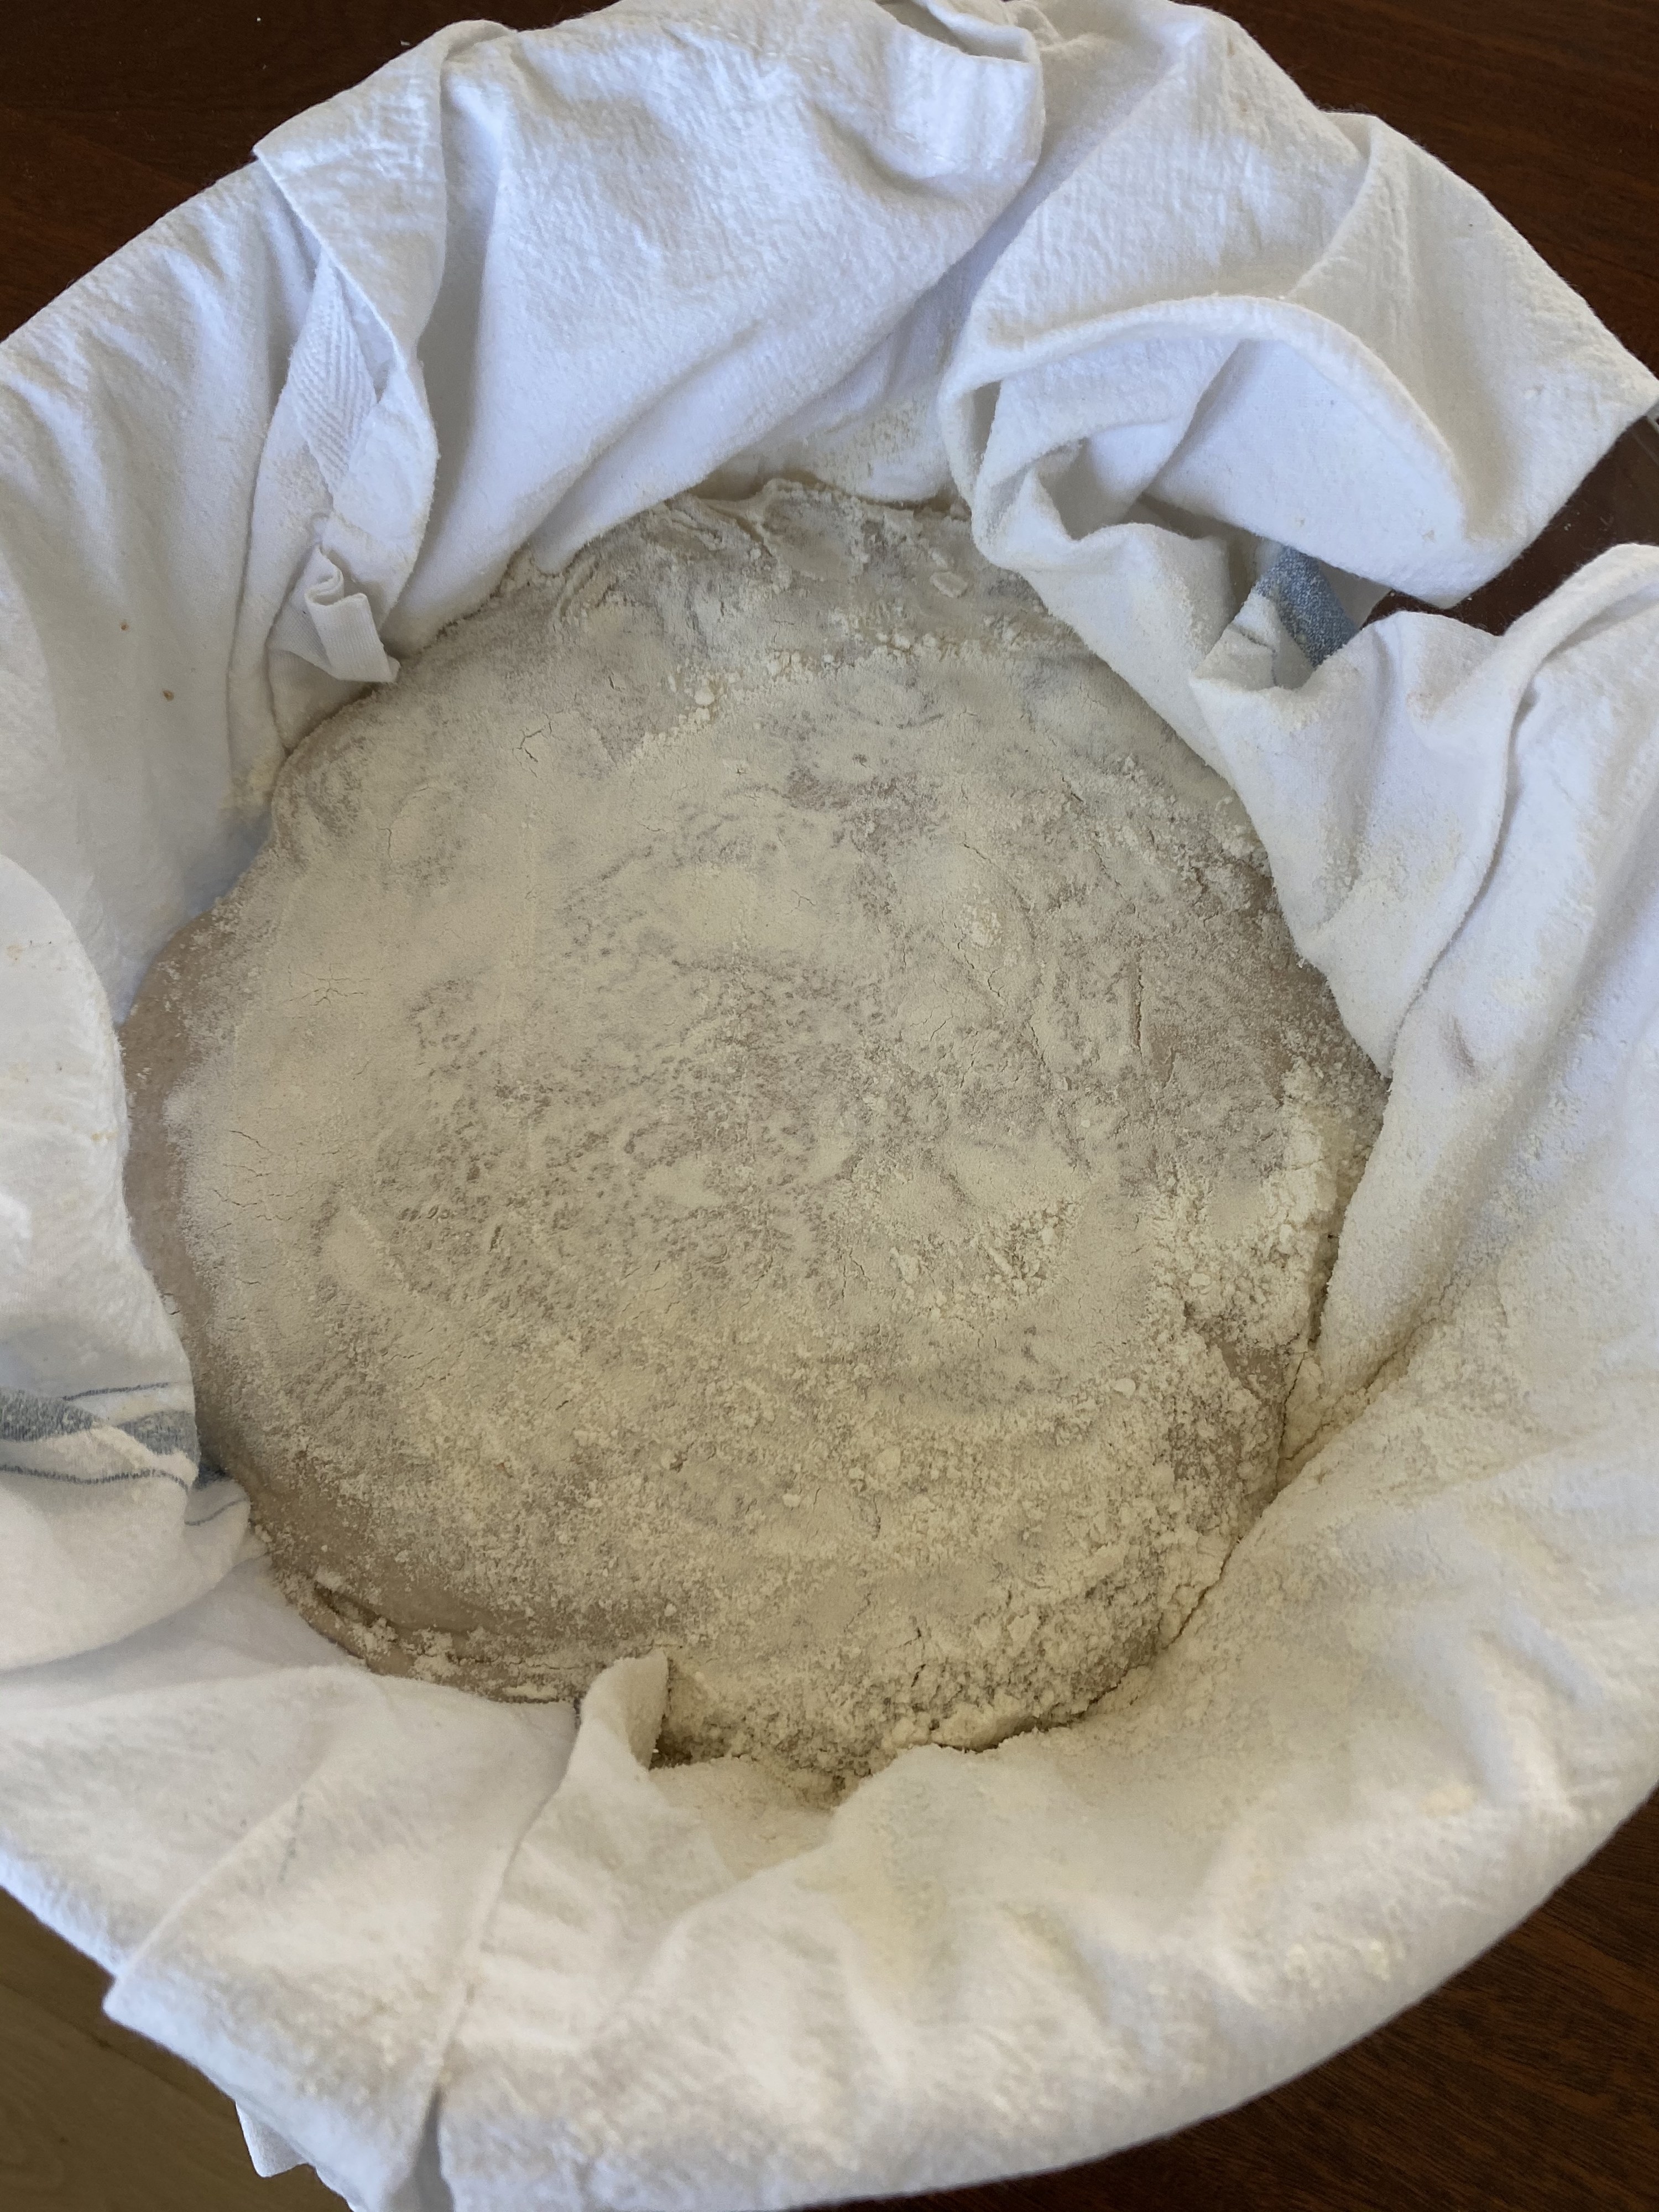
x=757, y=1103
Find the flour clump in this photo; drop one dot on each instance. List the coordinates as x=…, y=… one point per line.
x=756, y=1103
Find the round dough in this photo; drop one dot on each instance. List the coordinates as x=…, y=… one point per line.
x=756, y=1103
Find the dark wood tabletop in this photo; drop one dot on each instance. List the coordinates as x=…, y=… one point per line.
x=1530, y=2083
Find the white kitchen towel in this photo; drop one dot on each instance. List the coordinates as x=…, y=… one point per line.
x=238, y=1780
x=107, y=1520
x=1098, y=266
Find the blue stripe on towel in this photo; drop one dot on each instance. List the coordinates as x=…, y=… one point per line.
x=26, y=1418
x=92, y=1481
x=161, y=1434
x=1307, y=604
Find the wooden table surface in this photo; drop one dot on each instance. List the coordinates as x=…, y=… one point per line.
x=1531, y=2083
